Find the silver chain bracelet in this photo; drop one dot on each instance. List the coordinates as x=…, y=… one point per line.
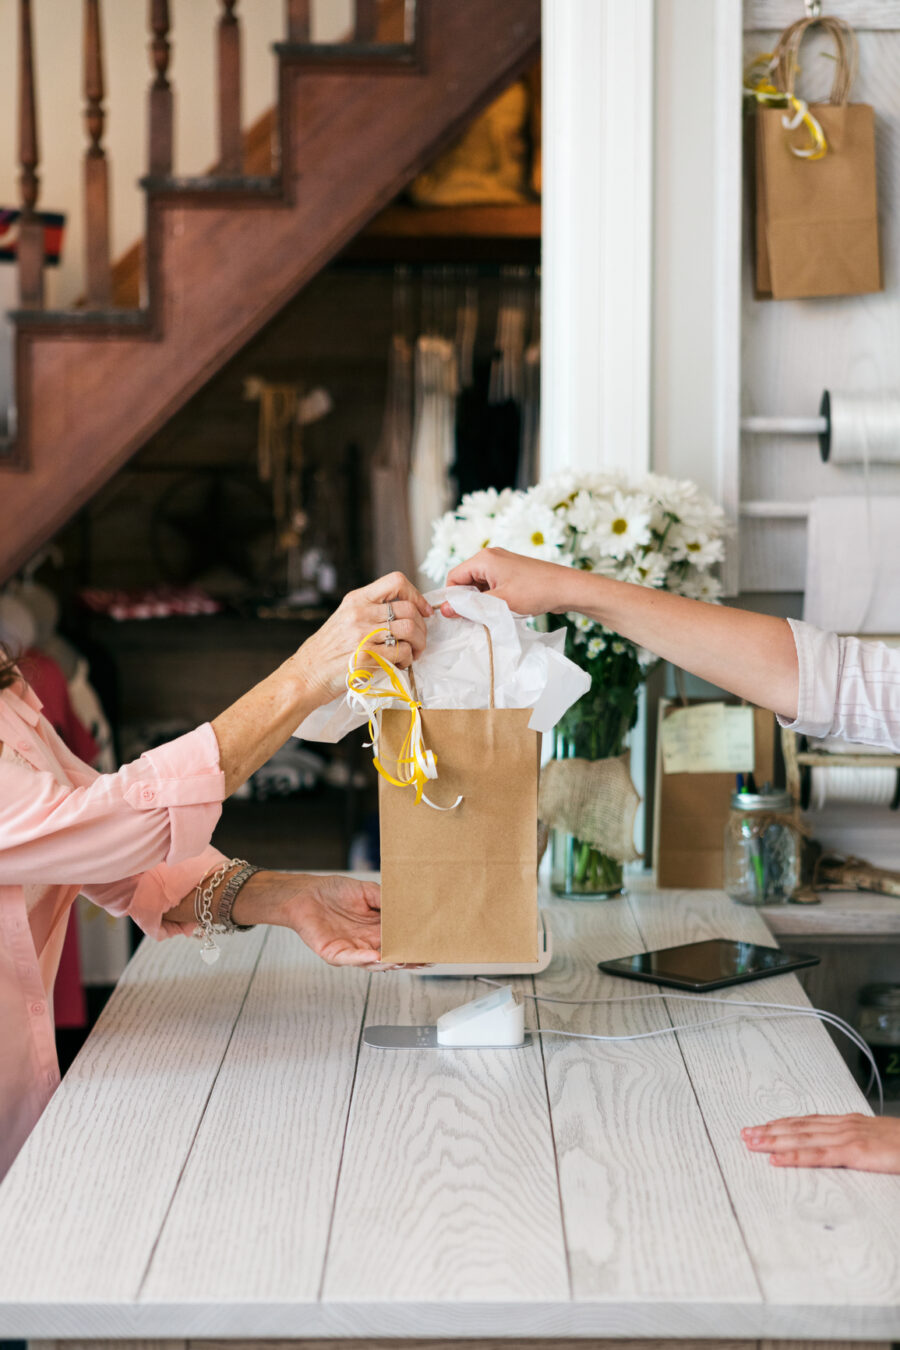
x=203, y=911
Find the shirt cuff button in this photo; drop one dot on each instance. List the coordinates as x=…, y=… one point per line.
x=148, y=795
x=38, y=1009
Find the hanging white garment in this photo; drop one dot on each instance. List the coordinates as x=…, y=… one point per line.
x=431, y=491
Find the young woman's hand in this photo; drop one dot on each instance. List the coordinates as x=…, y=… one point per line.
x=527, y=586
x=323, y=658
x=863, y=1143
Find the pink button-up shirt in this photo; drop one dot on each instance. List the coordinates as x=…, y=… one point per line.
x=135, y=842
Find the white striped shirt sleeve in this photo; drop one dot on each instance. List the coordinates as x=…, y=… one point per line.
x=848, y=688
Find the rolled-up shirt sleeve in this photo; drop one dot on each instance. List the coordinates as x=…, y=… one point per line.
x=148, y=897
x=160, y=809
x=847, y=687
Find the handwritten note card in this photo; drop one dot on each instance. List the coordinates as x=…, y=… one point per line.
x=708, y=738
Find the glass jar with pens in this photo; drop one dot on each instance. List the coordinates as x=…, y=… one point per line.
x=762, y=846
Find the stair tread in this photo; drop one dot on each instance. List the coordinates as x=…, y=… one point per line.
x=268, y=185
x=80, y=318
x=357, y=53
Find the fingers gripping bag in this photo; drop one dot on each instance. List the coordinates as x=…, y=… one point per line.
x=456, y=742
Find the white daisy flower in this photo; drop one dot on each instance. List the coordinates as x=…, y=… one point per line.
x=595, y=646
x=622, y=525
x=533, y=530
x=695, y=545
x=701, y=586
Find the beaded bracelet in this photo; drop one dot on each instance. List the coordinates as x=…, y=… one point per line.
x=229, y=894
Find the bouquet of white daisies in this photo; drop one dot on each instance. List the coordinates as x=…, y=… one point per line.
x=655, y=531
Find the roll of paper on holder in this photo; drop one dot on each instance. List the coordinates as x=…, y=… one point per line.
x=495, y=1020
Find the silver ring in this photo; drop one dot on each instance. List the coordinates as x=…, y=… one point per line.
x=390, y=640
x=391, y=614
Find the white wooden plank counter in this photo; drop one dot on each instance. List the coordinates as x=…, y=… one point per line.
x=226, y=1159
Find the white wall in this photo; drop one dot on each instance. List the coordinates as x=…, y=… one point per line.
x=57, y=35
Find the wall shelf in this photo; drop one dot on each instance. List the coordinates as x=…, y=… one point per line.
x=404, y=233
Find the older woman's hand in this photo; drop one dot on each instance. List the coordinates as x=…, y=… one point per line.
x=254, y=727
x=339, y=918
x=325, y=655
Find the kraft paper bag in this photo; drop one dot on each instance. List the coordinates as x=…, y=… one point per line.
x=817, y=219
x=816, y=202
x=460, y=885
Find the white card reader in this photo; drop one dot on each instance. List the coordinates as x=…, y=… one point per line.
x=496, y=1021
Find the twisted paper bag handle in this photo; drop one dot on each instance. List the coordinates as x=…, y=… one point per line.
x=784, y=64
x=416, y=764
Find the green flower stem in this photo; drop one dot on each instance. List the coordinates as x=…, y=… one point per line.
x=594, y=871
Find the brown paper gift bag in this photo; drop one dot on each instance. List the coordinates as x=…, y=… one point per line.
x=816, y=218
x=460, y=886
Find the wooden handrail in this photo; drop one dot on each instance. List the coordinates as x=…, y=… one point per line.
x=31, y=231
x=98, y=279
x=159, y=112
x=231, y=153
x=298, y=25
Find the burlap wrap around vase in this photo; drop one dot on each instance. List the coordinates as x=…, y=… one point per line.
x=591, y=807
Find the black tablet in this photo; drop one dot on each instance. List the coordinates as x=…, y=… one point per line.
x=712, y=964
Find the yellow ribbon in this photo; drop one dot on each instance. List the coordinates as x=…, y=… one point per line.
x=764, y=91
x=415, y=763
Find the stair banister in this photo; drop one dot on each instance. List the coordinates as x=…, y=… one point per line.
x=98, y=272
x=31, y=231
x=366, y=26
x=159, y=111
x=231, y=144
x=298, y=25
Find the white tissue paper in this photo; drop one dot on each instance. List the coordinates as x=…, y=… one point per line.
x=530, y=670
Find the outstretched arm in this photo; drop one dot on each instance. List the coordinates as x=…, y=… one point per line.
x=752, y=655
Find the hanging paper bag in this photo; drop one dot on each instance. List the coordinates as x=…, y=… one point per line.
x=459, y=869
x=816, y=202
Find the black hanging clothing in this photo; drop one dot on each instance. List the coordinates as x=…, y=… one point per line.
x=487, y=437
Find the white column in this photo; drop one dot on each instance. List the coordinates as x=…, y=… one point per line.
x=598, y=71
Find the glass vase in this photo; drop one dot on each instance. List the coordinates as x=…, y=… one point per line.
x=578, y=870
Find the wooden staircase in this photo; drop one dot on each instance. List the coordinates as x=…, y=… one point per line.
x=223, y=254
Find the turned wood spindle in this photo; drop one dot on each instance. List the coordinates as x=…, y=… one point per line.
x=31, y=231
x=98, y=281
x=231, y=148
x=298, y=25
x=366, y=27
x=160, y=121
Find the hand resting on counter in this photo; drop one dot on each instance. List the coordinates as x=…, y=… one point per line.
x=863, y=1143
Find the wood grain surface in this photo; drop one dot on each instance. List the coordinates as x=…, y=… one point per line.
x=226, y=1159
x=269, y=1181
x=121, y=1129
x=448, y=1188
x=814, y=1236
x=621, y=1182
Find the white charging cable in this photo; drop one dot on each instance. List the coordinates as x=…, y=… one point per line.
x=778, y=1009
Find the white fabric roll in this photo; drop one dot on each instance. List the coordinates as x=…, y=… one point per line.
x=842, y=784
x=865, y=429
